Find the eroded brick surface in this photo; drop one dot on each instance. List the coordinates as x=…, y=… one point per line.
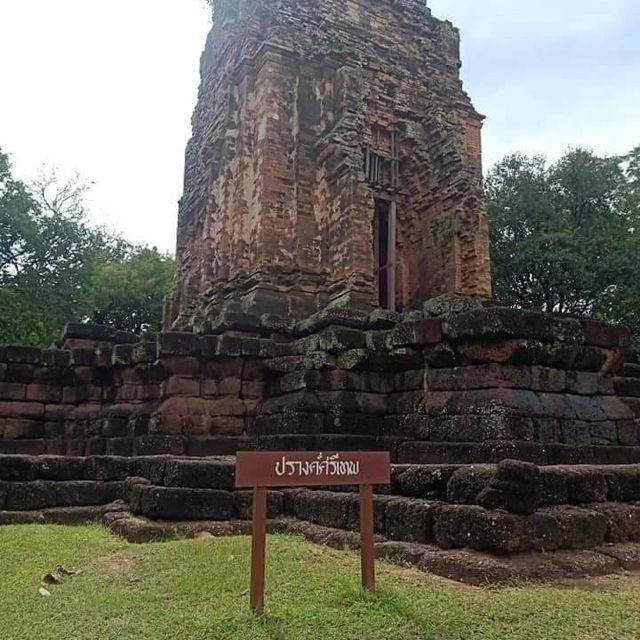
x=541, y=392
x=278, y=208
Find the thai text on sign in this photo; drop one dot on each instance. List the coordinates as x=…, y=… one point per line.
x=311, y=468
x=321, y=466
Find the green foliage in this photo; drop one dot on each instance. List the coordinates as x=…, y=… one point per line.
x=55, y=268
x=128, y=293
x=566, y=237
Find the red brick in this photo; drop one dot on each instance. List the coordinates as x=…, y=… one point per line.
x=20, y=373
x=129, y=393
x=71, y=395
x=22, y=409
x=428, y=331
x=12, y=391
x=226, y=407
x=252, y=389
x=84, y=374
x=227, y=386
x=181, y=386
x=43, y=393
x=151, y=392
x=220, y=369
x=22, y=428
x=181, y=366
x=57, y=411
x=227, y=425
x=601, y=335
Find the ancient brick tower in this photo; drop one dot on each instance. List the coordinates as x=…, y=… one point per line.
x=335, y=160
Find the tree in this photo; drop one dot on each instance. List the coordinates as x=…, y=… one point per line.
x=54, y=266
x=46, y=256
x=18, y=230
x=128, y=293
x=626, y=305
x=566, y=237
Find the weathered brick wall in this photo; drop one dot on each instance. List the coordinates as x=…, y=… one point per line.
x=277, y=210
x=480, y=386
x=144, y=397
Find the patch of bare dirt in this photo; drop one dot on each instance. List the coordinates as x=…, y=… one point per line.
x=115, y=565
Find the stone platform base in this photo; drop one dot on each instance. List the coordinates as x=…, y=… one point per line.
x=462, y=565
x=475, y=523
x=56, y=515
x=473, y=388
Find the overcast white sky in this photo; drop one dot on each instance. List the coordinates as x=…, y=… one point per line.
x=107, y=89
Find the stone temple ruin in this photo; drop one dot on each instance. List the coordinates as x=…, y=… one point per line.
x=335, y=295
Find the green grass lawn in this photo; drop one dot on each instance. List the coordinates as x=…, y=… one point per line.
x=197, y=589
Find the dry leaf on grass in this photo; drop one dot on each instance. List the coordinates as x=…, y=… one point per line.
x=57, y=578
x=67, y=572
x=43, y=592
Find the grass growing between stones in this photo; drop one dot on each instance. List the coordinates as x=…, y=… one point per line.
x=197, y=589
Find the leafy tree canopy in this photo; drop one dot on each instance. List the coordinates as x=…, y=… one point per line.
x=128, y=293
x=56, y=268
x=565, y=237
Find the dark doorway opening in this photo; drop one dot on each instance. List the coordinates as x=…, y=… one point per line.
x=385, y=250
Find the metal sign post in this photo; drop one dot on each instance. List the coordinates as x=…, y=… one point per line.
x=260, y=470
